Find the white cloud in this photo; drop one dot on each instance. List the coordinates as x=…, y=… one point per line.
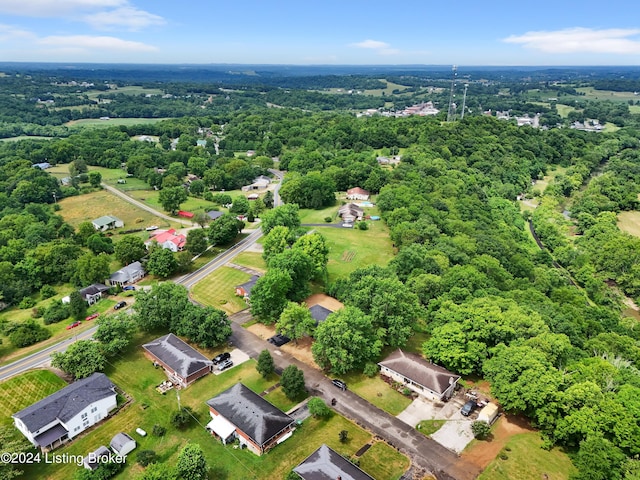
x=373, y=44
x=88, y=42
x=9, y=33
x=382, y=48
x=581, y=40
x=55, y=8
x=128, y=17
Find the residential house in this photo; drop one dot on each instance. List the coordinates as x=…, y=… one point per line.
x=425, y=378
x=259, y=183
x=93, y=293
x=107, y=222
x=201, y=143
x=168, y=239
x=395, y=160
x=357, y=193
x=350, y=212
x=122, y=444
x=214, y=214
x=129, y=274
x=244, y=289
x=327, y=464
x=68, y=412
x=42, y=165
x=182, y=363
x=319, y=313
x=256, y=423
x=96, y=458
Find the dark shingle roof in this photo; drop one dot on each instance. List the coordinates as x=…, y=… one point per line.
x=93, y=289
x=417, y=369
x=327, y=464
x=66, y=403
x=120, y=440
x=247, y=286
x=177, y=355
x=319, y=313
x=214, y=214
x=251, y=413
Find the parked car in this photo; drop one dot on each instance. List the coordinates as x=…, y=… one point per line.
x=92, y=316
x=151, y=228
x=226, y=364
x=119, y=305
x=221, y=358
x=468, y=408
x=278, y=340
x=128, y=288
x=347, y=225
x=340, y=384
x=74, y=325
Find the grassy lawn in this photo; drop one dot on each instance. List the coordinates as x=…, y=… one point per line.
x=564, y=110
x=429, y=427
x=280, y=400
x=383, y=461
x=376, y=391
x=88, y=207
x=218, y=289
x=317, y=216
x=20, y=392
x=350, y=248
x=415, y=342
x=527, y=460
x=541, y=185
x=147, y=408
x=629, y=222
x=634, y=109
x=251, y=260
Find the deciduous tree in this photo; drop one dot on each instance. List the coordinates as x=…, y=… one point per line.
x=80, y=360
x=292, y=382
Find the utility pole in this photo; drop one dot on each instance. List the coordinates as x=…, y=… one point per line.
x=451, y=114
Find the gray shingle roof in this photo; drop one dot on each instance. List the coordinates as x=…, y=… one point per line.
x=327, y=464
x=66, y=403
x=93, y=289
x=412, y=366
x=251, y=413
x=214, y=214
x=120, y=440
x=247, y=286
x=319, y=313
x=125, y=273
x=177, y=355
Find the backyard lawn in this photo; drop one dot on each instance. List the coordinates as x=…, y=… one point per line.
x=20, y=392
x=527, y=460
x=252, y=260
x=218, y=289
x=148, y=408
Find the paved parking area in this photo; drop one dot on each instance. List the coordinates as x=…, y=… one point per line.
x=237, y=357
x=455, y=434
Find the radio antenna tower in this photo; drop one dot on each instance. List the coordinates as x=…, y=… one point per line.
x=451, y=115
x=464, y=100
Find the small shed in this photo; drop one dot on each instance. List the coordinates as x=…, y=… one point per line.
x=489, y=413
x=122, y=444
x=93, y=460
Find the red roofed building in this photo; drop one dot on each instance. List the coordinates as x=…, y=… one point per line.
x=182, y=213
x=169, y=239
x=357, y=193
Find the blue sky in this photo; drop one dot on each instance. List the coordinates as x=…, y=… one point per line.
x=322, y=32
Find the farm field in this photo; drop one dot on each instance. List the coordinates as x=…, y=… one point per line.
x=564, y=110
x=88, y=207
x=148, y=408
x=25, y=137
x=128, y=90
x=591, y=93
x=218, y=290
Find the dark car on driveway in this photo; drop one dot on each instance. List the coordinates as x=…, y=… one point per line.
x=221, y=358
x=278, y=340
x=468, y=408
x=119, y=305
x=128, y=288
x=339, y=383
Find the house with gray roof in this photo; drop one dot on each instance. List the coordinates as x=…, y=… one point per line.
x=182, y=363
x=244, y=290
x=425, y=378
x=129, y=274
x=240, y=413
x=319, y=313
x=327, y=464
x=68, y=412
x=214, y=214
x=107, y=222
x=93, y=293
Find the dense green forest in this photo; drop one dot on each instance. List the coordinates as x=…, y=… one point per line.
x=547, y=327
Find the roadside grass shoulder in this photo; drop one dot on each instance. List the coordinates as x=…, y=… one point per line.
x=384, y=461
x=527, y=460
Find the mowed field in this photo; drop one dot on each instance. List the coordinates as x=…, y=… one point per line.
x=88, y=207
x=20, y=392
x=148, y=408
x=629, y=222
x=111, y=122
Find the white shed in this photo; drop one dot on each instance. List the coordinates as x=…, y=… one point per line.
x=122, y=444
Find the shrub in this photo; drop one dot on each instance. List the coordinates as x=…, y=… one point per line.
x=56, y=312
x=370, y=370
x=158, y=430
x=503, y=456
x=363, y=226
x=26, y=302
x=146, y=457
x=26, y=334
x=328, y=219
x=182, y=418
x=37, y=312
x=318, y=408
x=343, y=436
x=47, y=291
x=480, y=430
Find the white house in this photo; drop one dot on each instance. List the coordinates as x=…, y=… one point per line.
x=357, y=193
x=259, y=183
x=107, y=222
x=67, y=413
x=129, y=274
x=426, y=379
x=168, y=239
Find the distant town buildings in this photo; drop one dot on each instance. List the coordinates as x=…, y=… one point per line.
x=420, y=109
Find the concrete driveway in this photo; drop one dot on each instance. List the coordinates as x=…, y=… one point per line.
x=454, y=434
x=237, y=357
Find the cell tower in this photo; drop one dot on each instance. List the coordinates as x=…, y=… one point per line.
x=451, y=115
x=464, y=100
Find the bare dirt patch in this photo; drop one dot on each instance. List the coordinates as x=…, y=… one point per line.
x=325, y=301
x=482, y=453
x=301, y=351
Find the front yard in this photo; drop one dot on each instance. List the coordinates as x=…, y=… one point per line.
x=218, y=289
